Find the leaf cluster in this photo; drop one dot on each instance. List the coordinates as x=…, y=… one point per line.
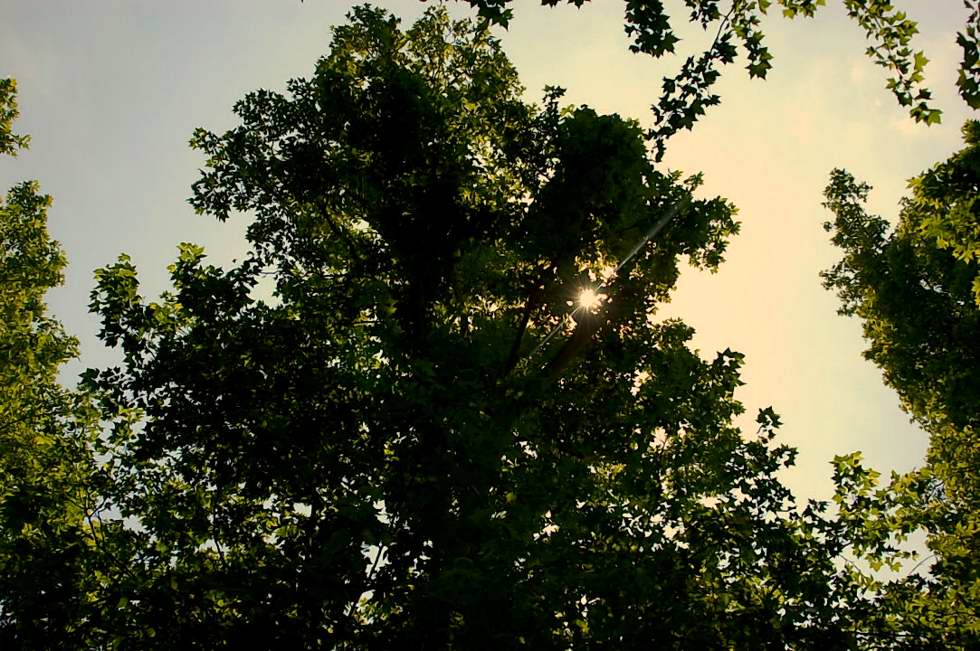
x=686, y=96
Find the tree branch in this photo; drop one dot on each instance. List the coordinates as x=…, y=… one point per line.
x=533, y=301
x=337, y=230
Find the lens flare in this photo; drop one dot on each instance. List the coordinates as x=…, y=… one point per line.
x=589, y=299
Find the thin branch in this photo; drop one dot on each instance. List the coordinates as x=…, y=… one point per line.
x=533, y=301
x=337, y=230
x=367, y=581
x=214, y=532
x=374, y=566
x=919, y=564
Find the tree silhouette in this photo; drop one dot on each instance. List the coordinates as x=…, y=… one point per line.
x=432, y=407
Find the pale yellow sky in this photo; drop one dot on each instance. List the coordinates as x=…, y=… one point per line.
x=111, y=92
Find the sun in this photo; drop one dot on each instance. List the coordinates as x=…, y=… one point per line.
x=589, y=299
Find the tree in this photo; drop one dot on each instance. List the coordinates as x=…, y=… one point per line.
x=48, y=499
x=432, y=407
x=915, y=288
x=686, y=96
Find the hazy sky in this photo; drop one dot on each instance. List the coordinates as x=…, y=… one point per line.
x=110, y=91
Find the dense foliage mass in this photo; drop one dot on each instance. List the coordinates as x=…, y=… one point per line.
x=46, y=469
x=916, y=289
x=397, y=422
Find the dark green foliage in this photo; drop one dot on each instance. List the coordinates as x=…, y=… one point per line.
x=915, y=288
x=390, y=426
x=969, y=77
x=49, y=505
x=9, y=141
x=392, y=449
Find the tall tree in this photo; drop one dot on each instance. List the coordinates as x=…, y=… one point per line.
x=432, y=407
x=49, y=507
x=916, y=288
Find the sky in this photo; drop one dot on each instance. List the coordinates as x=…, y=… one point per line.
x=111, y=90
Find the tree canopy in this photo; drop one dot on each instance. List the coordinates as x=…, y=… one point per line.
x=915, y=289
x=46, y=469
x=432, y=407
